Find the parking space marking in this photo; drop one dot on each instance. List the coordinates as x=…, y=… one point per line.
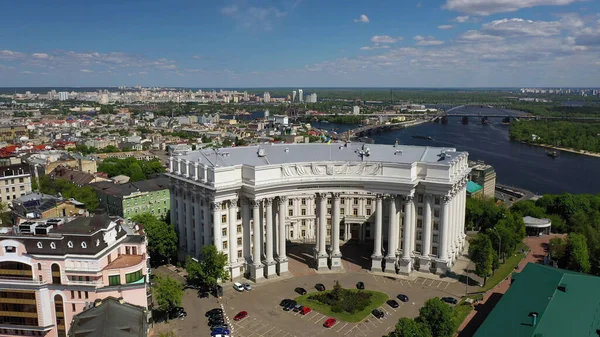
x=338, y=330
x=266, y=332
x=447, y=284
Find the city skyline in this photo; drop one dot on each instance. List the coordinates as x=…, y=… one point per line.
x=303, y=43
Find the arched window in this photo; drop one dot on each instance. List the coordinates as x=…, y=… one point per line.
x=59, y=313
x=39, y=266
x=55, y=274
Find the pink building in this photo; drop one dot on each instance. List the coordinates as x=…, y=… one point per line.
x=50, y=273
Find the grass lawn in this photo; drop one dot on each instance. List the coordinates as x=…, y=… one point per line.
x=377, y=299
x=505, y=270
x=460, y=313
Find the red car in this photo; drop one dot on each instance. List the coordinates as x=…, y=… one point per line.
x=329, y=322
x=240, y=315
x=305, y=310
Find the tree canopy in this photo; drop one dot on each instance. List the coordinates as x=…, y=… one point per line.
x=135, y=169
x=408, y=327
x=567, y=134
x=210, y=269
x=167, y=293
x=482, y=254
x=437, y=316
x=84, y=194
x=162, y=238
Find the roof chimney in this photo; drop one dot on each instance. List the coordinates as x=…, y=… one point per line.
x=97, y=302
x=534, y=316
x=562, y=287
x=121, y=300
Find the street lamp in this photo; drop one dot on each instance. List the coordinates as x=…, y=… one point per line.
x=495, y=231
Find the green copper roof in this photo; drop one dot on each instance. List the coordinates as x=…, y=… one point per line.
x=573, y=311
x=473, y=187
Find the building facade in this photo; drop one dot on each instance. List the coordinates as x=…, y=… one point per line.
x=49, y=272
x=15, y=179
x=249, y=201
x=485, y=176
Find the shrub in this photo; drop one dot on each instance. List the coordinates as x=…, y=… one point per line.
x=337, y=308
x=346, y=300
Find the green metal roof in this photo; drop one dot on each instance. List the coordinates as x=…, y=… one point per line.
x=573, y=312
x=473, y=187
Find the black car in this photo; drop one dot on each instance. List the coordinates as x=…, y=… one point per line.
x=213, y=311
x=298, y=307
x=177, y=313
x=215, y=315
x=360, y=285
x=216, y=322
x=450, y=300
x=300, y=291
x=320, y=287
x=204, y=294
x=284, y=302
x=392, y=303
x=378, y=313
x=402, y=298
x=290, y=305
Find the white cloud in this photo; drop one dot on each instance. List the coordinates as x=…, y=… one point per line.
x=363, y=19
x=488, y=7
x=520, y=27
x=255, y=17
x=198, y=57
x=427, y=41
x=377, y=39
x=461, y=19
x=40, y=55
x=445, y=27
x=11, y=55
x=375, y=47
x=86, y=71
x=475, y=35
x=27, y=72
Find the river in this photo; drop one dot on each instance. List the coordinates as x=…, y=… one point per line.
x=516, y=164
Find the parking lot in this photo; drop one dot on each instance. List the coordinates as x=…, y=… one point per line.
x=266, y=317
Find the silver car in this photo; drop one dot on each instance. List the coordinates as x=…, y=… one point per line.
x=247, y=286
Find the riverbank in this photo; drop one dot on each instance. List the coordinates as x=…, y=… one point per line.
x=583, y=152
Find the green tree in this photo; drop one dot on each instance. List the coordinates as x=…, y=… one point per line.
x=482, y=254
x=557, y=247
x=162, y=238
x=167, y=293
x=577, y=253
x=336, y=292
x=408, y=327
x=213, y=265
x=437, y=317
x=136, y=174
x=194, y=271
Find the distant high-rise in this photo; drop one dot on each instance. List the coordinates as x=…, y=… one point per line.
x=63, y=96
x=313, y=98
x=267, y=97
x=300, y=95
x=294, y=96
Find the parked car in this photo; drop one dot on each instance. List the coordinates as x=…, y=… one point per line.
x=290, y=305
x=378, y=313
x=284, y=302
x=240, y=315
x=212, y=311
x=320, y=287
x=177, y=313
x=238, y=286
x=450, y=300
x=216, y=327
x=216, y=321
x=329, y=322
x=247, y=286
x=360, y=285
x=392, y=303
x=300, y=291
x=297, y=307
x=204, y=294
x=402, y=298
x=305, y=310
x=220, y=331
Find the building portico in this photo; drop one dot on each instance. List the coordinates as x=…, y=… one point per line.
x=250, y=201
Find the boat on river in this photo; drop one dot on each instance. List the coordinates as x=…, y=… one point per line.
x=423, y=137
x=485, y=121
x=552, y=153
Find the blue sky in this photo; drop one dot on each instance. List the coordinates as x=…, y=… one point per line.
x=262, y=43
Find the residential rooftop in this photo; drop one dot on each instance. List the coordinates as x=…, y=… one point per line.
x=277, y=154
x=566, y=304
x=121, y=190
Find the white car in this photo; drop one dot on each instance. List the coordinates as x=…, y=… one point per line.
x=238, y=286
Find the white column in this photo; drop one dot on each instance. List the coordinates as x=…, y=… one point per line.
x=407, y=227
x=463, y=215
x=189, y=225
x=378, y=226
x=443, y=229
x=197, y=224
x=233, y=230
x=282, y=231
x=246, y=238
x=335, y=224
x=256, y=259
x=322, y=224
x=426, y=237
x=413, y=226
x=268, y=203
x=392, y=233
x=218, y=241
x=206, y=221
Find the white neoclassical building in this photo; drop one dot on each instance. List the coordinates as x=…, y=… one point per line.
x=250, y=201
